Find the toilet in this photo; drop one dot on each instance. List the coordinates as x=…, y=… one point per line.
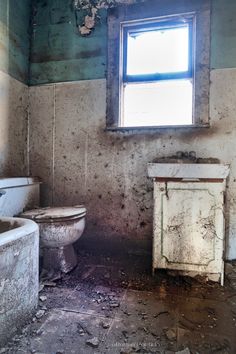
x=59, y=228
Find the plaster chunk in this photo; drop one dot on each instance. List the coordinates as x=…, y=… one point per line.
x=89, y=22
x=84, y=31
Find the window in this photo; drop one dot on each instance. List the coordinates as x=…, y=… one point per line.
x=158, y=65
x=157, y=80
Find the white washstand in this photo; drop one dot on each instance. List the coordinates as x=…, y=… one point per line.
x=188, y=224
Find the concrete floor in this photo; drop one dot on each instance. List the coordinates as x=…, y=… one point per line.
x=106, y=307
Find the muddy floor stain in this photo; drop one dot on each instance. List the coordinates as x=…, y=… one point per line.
x=105, y=306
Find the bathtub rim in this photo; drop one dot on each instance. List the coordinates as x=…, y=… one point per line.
x=26, y=227
x=14, y=182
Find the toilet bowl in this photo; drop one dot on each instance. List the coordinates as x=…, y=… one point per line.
x=59, y=228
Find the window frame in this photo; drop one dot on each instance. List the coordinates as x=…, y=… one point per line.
x=152, y=25
x=144, y=12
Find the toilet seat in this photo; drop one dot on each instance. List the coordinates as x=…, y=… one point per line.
x=54, y=214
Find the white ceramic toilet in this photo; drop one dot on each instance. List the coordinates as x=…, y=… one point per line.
x=59, y=228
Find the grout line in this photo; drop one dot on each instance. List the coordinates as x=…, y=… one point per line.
x=109, y=329
x=75, y=82
x=86, y=163
x=124, y=296
x=81, y=312
x=115, y=317
x=28, y=135
x=74, y=290
x=53, y=142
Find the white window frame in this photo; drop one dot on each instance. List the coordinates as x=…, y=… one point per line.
x=152, y=11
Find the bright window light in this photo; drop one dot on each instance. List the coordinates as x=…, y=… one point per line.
x=160, y=51
x=157, y=87
x=158, y=104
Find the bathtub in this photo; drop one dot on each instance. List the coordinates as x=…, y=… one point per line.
x=20, y=193
x=19, y=247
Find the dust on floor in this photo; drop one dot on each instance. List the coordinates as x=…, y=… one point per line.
x=105, y=307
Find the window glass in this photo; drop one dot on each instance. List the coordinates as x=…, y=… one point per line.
x=158, y=51
x=157, y=87
x=158, y=103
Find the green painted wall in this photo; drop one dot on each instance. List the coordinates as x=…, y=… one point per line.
x=59, y=53
x=15, y=38
x=223, y=43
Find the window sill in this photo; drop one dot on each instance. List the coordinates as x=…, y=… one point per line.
x=153, y=129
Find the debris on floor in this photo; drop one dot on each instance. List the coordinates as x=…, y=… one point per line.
x=185, y=351
x=93, y=342
x=128, y=311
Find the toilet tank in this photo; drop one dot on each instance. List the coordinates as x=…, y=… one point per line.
x=18, y=194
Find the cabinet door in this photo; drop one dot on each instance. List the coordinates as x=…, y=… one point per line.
x=188, y=226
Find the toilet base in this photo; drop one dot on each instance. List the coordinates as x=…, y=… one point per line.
x=62, y=259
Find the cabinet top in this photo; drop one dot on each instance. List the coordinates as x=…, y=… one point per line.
x=188, y=170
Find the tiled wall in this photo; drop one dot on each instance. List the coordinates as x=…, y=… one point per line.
x=14, y=66
x=82, y=163
x=69, y=148
x=13, y=126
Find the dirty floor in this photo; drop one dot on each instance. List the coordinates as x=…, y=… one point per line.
x=105, y=306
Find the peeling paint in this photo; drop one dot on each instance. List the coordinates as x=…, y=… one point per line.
x=92, y=8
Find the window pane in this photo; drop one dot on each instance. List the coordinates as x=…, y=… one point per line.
x=158, y=51
x=157, y=104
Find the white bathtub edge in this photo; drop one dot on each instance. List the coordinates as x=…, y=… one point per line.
x=13, y=182
x=26, y=227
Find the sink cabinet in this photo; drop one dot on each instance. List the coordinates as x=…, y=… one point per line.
x=188, y=224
